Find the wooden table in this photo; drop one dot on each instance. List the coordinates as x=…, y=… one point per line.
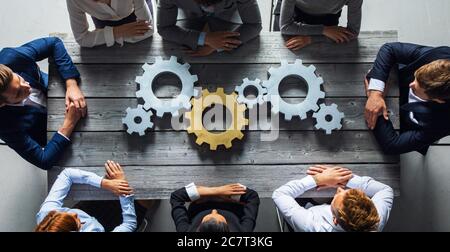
x=165, y=160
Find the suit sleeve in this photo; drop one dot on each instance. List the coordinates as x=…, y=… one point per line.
x=44, y=158
x=392, y=54
x=168, y=28
x=354, y=15
x=180, y=216
x=43, y=48
x=251, y=204
x=289, y=26
x=251, y=20
x=394, y=143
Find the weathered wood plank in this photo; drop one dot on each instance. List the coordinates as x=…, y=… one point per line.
x=107, y=114
x=179, y=148
x=109, y=80
x=157, y=182
x=267, y=48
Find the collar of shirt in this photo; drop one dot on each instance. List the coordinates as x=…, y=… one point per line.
x=414, y=98
x=35, y=99
x=209, y=9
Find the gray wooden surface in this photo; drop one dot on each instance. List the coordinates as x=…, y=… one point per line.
x=165, y=159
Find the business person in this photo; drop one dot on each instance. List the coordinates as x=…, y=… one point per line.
x=23, y=101
x=54, y=217
x=309, y=21
x=116, y=21
x=222, y=33
x=424, y=81
x=215, y=209
x=360, y=204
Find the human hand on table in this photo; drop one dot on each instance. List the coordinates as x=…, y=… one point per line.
x=226, y=190
x=75, y=95
x=298, y=42
x=330, y=176
x=225, y=40
x=114, y=170
x=338, y=34
x=202, y=51
x=133, y=29
x=117, y=186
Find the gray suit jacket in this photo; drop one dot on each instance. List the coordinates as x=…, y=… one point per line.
x=248, y=11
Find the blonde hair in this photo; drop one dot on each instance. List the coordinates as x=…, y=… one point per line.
x=358, y=213
x=434, y=78
x=57, y=222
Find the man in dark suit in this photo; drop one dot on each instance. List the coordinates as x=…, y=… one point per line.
x=23, y=95
x=214, y=209
x=424, y=80
x=224, y=33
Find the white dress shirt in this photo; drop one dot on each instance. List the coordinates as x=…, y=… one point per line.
x=118, y=10
x=320, y=218
x=379, y=85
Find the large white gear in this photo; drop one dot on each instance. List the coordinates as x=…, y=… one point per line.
x=296, y=69
x=259, y=99
x=133, y=126
x=172, y=105
x=334, y=113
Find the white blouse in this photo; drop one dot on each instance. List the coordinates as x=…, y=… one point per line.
x=118, y=10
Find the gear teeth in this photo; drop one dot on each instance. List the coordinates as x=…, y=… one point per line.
x=336, y=118
x=133, y=127
x=228, y=145
x=296, y=69
x=214, y=139
x=151, y=101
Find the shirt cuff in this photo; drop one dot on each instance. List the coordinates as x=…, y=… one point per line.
x=126, y=199
x=96, y=181
x=309, y=183
x=192, y=192
x=220, y=50
x=355, y=182
x=201, y=39
x=109, y=35
x=63, y=136
x=378, y=85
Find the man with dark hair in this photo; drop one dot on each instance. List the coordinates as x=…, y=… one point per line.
x=222, y=33
x=215, y=209
x=23, y=103
x=424, y=81
x=360, y=204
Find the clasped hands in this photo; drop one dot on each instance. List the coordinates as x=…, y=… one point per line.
x=327, y=176
x=115, y=180
x=223, y=40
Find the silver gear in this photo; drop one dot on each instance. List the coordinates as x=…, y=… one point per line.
x=336, y=118
x=166, y=106
x=259, y=99
x=141, y=127
x=296, y=69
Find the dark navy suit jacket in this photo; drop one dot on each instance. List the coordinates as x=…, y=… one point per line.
x=433, y=118
x=24, y=129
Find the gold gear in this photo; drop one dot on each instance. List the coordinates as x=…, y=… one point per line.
x=225, y=138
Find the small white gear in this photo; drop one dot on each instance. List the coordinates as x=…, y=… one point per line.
x=259, y=99
x=145, y=120
x=172, y=105
x=335, y=118
x=296, y=69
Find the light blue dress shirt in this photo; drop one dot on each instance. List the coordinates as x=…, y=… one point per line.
x=60, y=189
